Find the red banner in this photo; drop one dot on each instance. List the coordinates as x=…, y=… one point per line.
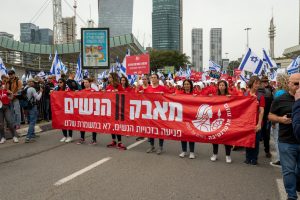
x=138, y=64
x=219, y=120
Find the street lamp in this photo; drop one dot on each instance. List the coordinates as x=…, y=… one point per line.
x=247, y=30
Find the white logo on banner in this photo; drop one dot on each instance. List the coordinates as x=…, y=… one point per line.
x=204, y=120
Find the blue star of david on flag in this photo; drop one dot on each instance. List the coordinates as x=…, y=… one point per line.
x=254, y=59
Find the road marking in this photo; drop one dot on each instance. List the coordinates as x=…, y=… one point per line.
x=281, y=190
x=78, y=173
x=136, y=143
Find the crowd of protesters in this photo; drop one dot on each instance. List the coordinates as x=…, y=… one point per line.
x=274, y=112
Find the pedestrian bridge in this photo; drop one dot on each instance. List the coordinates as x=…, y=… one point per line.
x=15, y=53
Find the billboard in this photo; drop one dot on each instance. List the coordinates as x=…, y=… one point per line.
x=95, y=48
x=138, y=64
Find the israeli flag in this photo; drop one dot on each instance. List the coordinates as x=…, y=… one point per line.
x=3, y=69
x=50, y=57
x=243, y=78
x=188, y=71
x=63, y=68
x=294, y=66
x=273, y=75
x=132, y=79
x=86, y=73
x=41, y=74
x=251, y=63
x=54, y=64
x=78, y=75
x=214, y=66
x=271, y=64
x=112, y=69
x=123, y=64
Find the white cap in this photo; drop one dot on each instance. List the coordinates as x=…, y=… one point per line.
x=243, y=85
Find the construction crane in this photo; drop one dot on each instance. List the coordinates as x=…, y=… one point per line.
x=57, y=22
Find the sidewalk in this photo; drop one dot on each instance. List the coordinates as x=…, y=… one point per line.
x=41, y=126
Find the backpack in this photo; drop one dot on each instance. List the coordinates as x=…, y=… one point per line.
x=25, y=103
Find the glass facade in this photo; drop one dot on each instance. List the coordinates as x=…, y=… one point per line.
x=197, y=49
x=28, y=32
x=216, y=45
x=167, y=25
x=117, y=15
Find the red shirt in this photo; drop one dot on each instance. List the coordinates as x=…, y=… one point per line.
x=158, y=89
x=261, y=103
x=4, y=97
x=110, y=88
x=89, y=90
x=128, y=89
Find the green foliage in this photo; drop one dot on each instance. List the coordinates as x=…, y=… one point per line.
x=162, y=58
x=233, y=65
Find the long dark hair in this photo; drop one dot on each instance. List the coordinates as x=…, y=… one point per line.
x=64, y=86
x=126, y=81
x=226, y=87
x=116, y=82
x=191, y=83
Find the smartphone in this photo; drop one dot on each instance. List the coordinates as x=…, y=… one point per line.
x=289, y=115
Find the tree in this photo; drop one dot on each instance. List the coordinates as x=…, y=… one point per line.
x=162, y=58
x=232, y=66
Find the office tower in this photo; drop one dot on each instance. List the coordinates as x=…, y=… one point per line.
x=167, y=25
x=216, y=45
x=116, y=15
x=28, y=32
x=197, y=49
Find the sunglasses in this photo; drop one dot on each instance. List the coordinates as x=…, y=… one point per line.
x=296, y=84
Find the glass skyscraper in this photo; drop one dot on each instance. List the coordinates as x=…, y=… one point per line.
x=197, y=49
x=167, y=25
x=116, y=15
x=216, y=45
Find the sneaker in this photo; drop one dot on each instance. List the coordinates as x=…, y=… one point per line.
x=253, y=162
x=121, y=146
x=228, y=159
x=15, y=139
x=214, y=157
x=27, y=140
x=275, y=164
x=93, y=142
x=182, y=154
x=63, y=139
x=192, y=155
x=112, y=144
x=2, y=141
x=151, y=149
x=268, y=155
x=81, y=141
x=247, y=162
x=69, y=139
x=139, y=138
x=159, y=151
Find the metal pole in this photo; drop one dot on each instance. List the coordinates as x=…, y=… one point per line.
x=247, y=30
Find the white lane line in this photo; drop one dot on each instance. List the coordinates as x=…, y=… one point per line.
x=136, y=143
x=78, y=173
x=281, y=190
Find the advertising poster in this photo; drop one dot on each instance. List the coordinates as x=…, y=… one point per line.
x=95, y=48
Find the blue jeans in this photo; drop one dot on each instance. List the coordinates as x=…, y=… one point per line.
x=252, y=153
x=32, y=117
x=290, y=163
x=274, y=133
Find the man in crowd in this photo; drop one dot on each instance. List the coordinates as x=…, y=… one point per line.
x=32, y=97
x=267, y=91
x=14, y=84
x=296, y=115
x=289, y=147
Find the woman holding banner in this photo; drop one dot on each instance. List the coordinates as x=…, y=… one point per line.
x=87, y=88
x=62, y=86
x=155, y=88
x=188, y=90
x=115, y=86
x=222, y=91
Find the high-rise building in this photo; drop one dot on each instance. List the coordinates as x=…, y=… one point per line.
x=197, y=49
x=28, y=32
x=45, y=36
x=167, y=25
x=117, y=15
x=216, y=45
x=7, y=35
x=69, y=29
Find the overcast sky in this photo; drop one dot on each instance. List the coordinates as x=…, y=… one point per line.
x=230, y=15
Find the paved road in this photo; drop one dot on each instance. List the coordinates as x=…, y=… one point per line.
x=30, y=171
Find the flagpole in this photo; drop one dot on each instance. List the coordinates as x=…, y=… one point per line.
x=247, y=30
